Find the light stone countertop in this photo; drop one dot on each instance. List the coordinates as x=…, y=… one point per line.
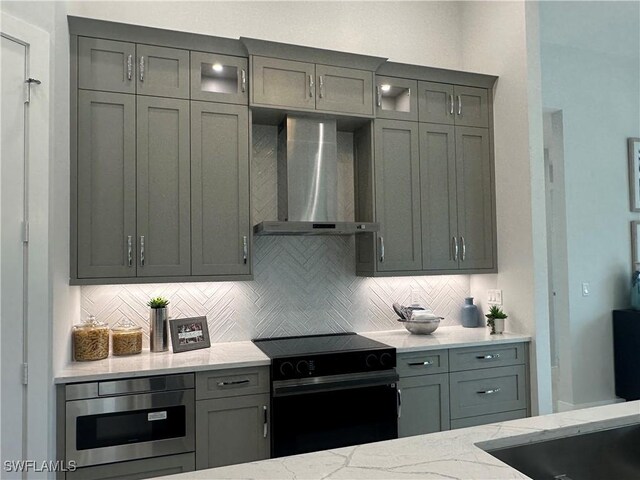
x=454, y=454
x=245, y=354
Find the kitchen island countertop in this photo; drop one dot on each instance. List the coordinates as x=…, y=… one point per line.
x=454, y=454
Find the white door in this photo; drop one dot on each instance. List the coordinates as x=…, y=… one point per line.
x=12, y=249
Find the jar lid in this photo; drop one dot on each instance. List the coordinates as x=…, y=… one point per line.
x=126, y=325
x=90, y=322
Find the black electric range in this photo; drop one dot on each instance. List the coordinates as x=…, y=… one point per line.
x=330, y=391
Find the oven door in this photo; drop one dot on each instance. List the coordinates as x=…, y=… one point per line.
x=335, y=411
x=129, y=427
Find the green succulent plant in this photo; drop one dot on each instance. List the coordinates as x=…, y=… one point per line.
x=494, y=312
x=158, y=302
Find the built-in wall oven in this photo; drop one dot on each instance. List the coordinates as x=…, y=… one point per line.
x=330, y=391
x=133, y=419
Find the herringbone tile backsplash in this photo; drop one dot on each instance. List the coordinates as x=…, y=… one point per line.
x=302, y=285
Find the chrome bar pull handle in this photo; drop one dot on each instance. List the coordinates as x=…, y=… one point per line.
x=489, y=392
x=129, y=66
x=234, y=382
x=464, y=248
x=454, y=241
x=420, y=364
x=459, y=105
x=399, y=404
x=245, y=249
x=142, y=68
x=130, y=250
x=243, y=80
x=381, y=249
x=378, y=96
x=491, y=356
x=265, y=425
x=451, y=104
x=321, y=87
x=142, y=250
x=311, y=86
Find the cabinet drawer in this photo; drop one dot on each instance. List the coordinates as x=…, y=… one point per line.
x=472, y=358
x=486, y=419
x=422, y=363
x=233, y=382
x=491, y=390
x=137, y=469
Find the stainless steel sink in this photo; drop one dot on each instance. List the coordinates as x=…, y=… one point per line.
x=603, y=455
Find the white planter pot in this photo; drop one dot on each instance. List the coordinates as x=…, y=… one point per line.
x=499, y=325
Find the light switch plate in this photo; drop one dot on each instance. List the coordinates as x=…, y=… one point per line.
x=586, y=289
x=494, y=297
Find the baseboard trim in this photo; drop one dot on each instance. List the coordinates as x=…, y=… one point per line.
x=566, y=406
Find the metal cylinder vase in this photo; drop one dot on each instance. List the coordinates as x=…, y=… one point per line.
x=470, y=315
x=158, y=326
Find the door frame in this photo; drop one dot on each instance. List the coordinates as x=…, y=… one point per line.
x=38, y=329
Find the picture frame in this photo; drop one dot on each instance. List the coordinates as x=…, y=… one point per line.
x=189, y=334
x=635, y=244
x=634, y=173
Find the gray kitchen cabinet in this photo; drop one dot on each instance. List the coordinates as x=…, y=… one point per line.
x=481, y=357
x=232, y=382
x=220, y=216
x=453, y=104
x=162, y=71
x=232, y=430
x=106, y=176
x=219, y=78
x=486, y=419
x=396, y=98
x=344, y=90
x=424, y=404
x=283, y=83
x=397, y=196
x=422, y=363
x=488, y=391
x=137, y=469
x=476, y=224
x=457, y=198
x=106, y=65
x=163, y=187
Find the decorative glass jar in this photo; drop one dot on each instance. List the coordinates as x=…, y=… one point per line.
x=90, y=340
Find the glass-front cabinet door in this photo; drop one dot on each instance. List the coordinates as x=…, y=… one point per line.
x=219, y=78
x=396, y=98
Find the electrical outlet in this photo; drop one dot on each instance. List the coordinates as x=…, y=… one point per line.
x=586, y=289
x=494, y=297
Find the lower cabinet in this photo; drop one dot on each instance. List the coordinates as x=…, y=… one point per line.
x=232, y=416
x=425, y=404
x=136, y=469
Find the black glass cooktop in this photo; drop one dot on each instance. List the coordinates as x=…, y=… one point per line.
x=281, y=347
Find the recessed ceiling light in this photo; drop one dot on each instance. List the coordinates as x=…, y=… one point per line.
x=385, y=87
x=217, y=67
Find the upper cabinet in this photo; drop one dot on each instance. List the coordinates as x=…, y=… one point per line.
x=106, y=65
x=162, y=72
x=219, y=78
x=300, y=85
x=396, y=98
x=453, y=104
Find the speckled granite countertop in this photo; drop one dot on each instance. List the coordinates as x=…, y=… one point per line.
x=455, y=454
x=246, y=354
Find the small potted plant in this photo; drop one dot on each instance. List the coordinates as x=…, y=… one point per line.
x=495, y=319
x=158, y=327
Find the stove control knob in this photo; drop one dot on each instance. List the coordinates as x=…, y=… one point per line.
x=302, y=367
x=386, y=360
x=286, y=369
x=371, y=360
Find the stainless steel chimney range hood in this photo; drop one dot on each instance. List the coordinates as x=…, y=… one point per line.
x=307, y=181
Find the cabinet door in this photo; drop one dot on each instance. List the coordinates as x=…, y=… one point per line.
x=344, y=90
x=163, y=72
x=476, y=225
x=396, y=98
x=232, y=430
x=283, y=83
x=106, y=65
x=440, y=250
x=163, y=194
x=436, y=102
x=472, y=108
x=398, y=195
x=220, y=189
x=219, y=78
x=425, y=404
x=106, y=202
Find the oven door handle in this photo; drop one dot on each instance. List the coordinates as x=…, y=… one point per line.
x=283, y=388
